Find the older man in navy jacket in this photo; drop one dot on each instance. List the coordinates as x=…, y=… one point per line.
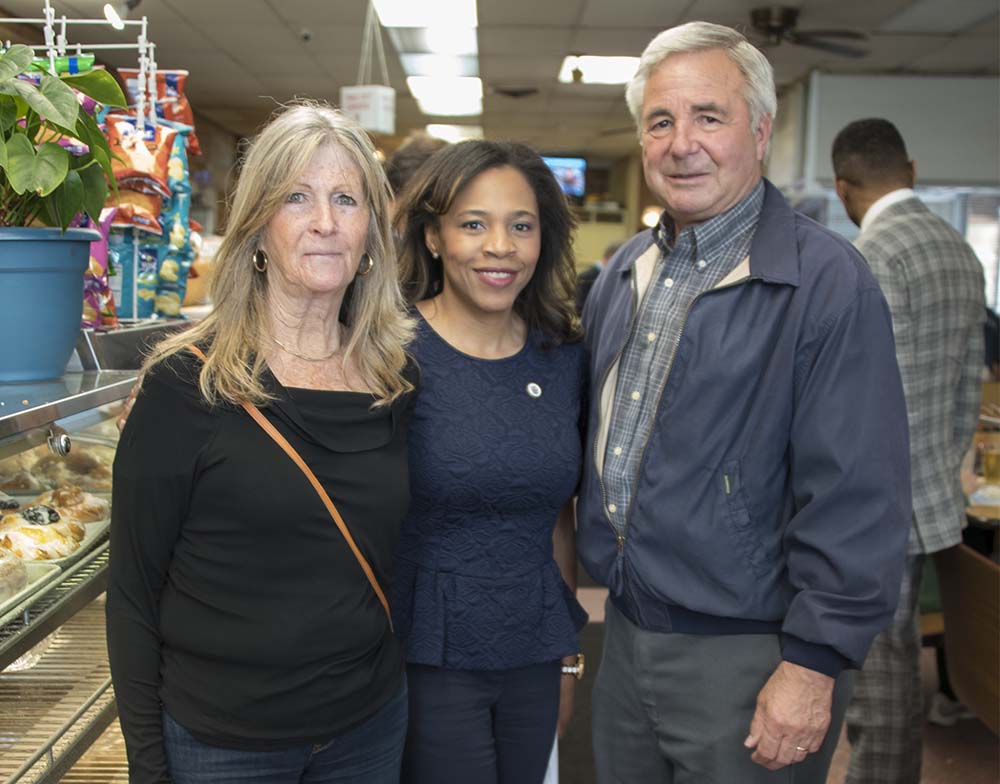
x=746, y=492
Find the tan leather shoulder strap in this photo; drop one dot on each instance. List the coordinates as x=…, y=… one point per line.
x=289, y=450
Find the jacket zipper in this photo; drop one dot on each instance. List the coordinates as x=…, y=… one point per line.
x=659, y=399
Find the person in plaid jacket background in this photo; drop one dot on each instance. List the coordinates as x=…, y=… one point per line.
x=933, y=283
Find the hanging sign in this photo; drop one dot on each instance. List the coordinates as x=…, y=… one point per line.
x=372, y=105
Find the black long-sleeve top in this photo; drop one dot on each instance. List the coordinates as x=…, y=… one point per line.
x=233, y=600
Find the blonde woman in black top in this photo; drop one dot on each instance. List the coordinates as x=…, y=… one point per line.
x=246, y=642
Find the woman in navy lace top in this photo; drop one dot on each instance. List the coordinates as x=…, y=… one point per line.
x=484, y=576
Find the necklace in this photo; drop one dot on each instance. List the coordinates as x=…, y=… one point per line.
x=285, y=348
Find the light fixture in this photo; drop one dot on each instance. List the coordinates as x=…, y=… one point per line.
x=591, y=69
x=115, y=12
x=651, y=216
x=438, y=13
x=454, y=133
x=455, y=96
x=439, y=65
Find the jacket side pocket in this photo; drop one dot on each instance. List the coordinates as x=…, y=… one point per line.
x=741, y=525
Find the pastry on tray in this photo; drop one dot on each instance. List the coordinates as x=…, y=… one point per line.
x=85, y=467
x=38, y=533
x=73, y=503
x=13, y=575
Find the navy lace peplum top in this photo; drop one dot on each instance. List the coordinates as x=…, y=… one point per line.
x=495, y=453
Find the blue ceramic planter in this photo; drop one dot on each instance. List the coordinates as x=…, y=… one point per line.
x=41, y=299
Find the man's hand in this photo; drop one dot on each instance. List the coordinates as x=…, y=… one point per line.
x=792, y=716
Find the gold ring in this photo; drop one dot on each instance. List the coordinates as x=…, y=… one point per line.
x=799, y=748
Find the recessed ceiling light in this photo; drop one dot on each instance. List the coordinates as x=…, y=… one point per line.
x=439, y=65
x=447, y=96
x=591, y=69
x=454, y=133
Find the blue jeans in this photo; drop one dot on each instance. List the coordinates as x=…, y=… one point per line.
x=370, y=753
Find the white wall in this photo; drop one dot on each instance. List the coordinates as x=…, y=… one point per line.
x=951, y=125
x=785, y=161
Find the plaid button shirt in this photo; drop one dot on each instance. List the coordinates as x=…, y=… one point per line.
x=701, y=256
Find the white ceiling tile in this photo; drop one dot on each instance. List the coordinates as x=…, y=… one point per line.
x=612, y=41
x=529, y=69
x=655, y=15
x=987, y=28
x=310, y=13
x=975, y=55
x=529, y=12
x=524, y=40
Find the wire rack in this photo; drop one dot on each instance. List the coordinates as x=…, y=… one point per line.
x=51, y=712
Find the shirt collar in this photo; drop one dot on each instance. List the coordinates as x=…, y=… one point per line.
x=710, y=236
x=880, y=206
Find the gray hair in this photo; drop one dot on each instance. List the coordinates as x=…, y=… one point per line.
x=699, y=37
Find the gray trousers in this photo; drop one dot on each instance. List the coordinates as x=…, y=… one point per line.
x=676, y=708
x=885, y=720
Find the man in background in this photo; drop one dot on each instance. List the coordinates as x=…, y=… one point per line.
x=933, y=283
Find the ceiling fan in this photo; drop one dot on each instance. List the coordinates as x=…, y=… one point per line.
x=777, y=23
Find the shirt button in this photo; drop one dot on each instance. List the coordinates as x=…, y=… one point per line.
x=636, y=395
x=612, y=508
x=669, y=282
x=651, y=337
x=702, y=264
x=618, y=451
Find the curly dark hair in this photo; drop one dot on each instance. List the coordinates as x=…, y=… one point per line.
x=546, y=303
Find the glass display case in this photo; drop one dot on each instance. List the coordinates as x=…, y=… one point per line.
x=57, y=444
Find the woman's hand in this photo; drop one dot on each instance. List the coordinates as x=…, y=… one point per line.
x=567, y=695
x=127, y=407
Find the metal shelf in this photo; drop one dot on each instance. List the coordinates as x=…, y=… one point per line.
x=46, y=610
x=50, y=713
x=24, y=407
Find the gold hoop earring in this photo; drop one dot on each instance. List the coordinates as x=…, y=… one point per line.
x=366, y=265
x=260, y=260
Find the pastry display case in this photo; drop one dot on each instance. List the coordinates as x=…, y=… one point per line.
x=57, y=444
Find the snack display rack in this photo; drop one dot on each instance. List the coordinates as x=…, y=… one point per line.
x=57, y=45
x=57, y=698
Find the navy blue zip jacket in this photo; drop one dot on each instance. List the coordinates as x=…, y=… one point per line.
x=773, y=494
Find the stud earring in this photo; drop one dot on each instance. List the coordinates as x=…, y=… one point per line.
x=260, y=260
x=366, y=265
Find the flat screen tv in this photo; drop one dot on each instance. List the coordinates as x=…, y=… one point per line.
x=571, y=174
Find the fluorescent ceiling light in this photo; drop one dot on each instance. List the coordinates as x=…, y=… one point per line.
x=598, y=70
x=451, y=39
x=928, y=16
x=460, y=96
x=435, y=40
x=426, y=13
x=439, y=65
x=454, y=133
x=111, y=14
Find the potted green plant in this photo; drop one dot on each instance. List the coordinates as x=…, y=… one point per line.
x=43, y=188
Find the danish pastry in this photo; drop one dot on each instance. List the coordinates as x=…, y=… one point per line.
x=13, y=575
x=73, y=503
x=38, y=533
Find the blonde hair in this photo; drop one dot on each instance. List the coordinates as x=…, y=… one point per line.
x=235, y=333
